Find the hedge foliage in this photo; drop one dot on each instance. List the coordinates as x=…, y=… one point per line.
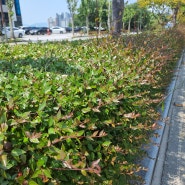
x=79, y=112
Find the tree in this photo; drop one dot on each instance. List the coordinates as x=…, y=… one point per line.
x=100, y=10
x=130, y=11
x=94, y=12
x=181, y=15
x=86, y=6
x=72, y=5
x=175, y=6
x=136, y=17
x=10, y=4
x=117, y=15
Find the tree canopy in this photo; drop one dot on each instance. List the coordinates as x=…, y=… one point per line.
x=175, y=6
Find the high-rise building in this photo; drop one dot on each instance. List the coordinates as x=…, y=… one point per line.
x=17, y=18
x=63, y=20
x=18, y=21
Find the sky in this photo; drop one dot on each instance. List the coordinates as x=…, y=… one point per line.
x=38, y=11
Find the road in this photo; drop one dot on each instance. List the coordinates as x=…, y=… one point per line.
x=55, y=37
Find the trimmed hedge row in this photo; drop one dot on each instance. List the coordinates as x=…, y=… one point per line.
x=79, y=112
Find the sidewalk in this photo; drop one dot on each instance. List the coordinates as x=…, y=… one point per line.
x=170, y=163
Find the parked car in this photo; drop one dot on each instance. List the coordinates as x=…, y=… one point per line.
x=101, y=28
x=18, y=33
x=68, y=29
x=58, y=29
x=27, y=29
x=84, y=29
x=40, y=31
x=77, y=29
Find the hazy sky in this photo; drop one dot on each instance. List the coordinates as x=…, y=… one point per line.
x=37, y=11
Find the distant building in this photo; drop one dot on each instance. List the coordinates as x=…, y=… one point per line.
x=62, y=20
x=17, y=18
x=51, y=22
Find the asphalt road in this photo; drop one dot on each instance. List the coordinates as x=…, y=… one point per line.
x=54, y=37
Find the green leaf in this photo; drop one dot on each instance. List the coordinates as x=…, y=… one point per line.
x=106, y=143
x=40, y=163
x=58, y=116
x=85, y=110
x=23, y=158
x=61, y=155
x=3, y=118
x=4, y=160
x=47, y=89
x=25, y=115
x=42, y=106
x=47, y=173
x=31, y=182
x=68, y=130
x=80, y=133
x=51, y=131
x=84, y=172
x=2, y=137
x=37, y=173
x=17, y=152
x=34, y=140
x=162, y=107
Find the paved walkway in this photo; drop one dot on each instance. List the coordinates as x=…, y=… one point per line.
x=170, y=165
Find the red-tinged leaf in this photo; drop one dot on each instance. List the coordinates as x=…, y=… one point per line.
x=131, y=115
x=95, y=163
x=155, y=126
x=96, y=110
x=33, y=135
x=102, y=133
x=67, y=164
x=70, y=115
x=95, y=133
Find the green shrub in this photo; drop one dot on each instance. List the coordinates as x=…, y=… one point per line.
x=78, y=112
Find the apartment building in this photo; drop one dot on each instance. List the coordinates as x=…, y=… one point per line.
x=17, y=18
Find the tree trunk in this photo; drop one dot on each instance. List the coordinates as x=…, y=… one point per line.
x=109, y=16
x=129, y=22
x=87, y=24
x=10, y=4
x=72, y=24
x=11, y=25
x=175, y=13
x=99, y=28
x=117, y=15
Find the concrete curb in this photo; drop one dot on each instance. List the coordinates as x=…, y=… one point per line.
x=156, y=142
